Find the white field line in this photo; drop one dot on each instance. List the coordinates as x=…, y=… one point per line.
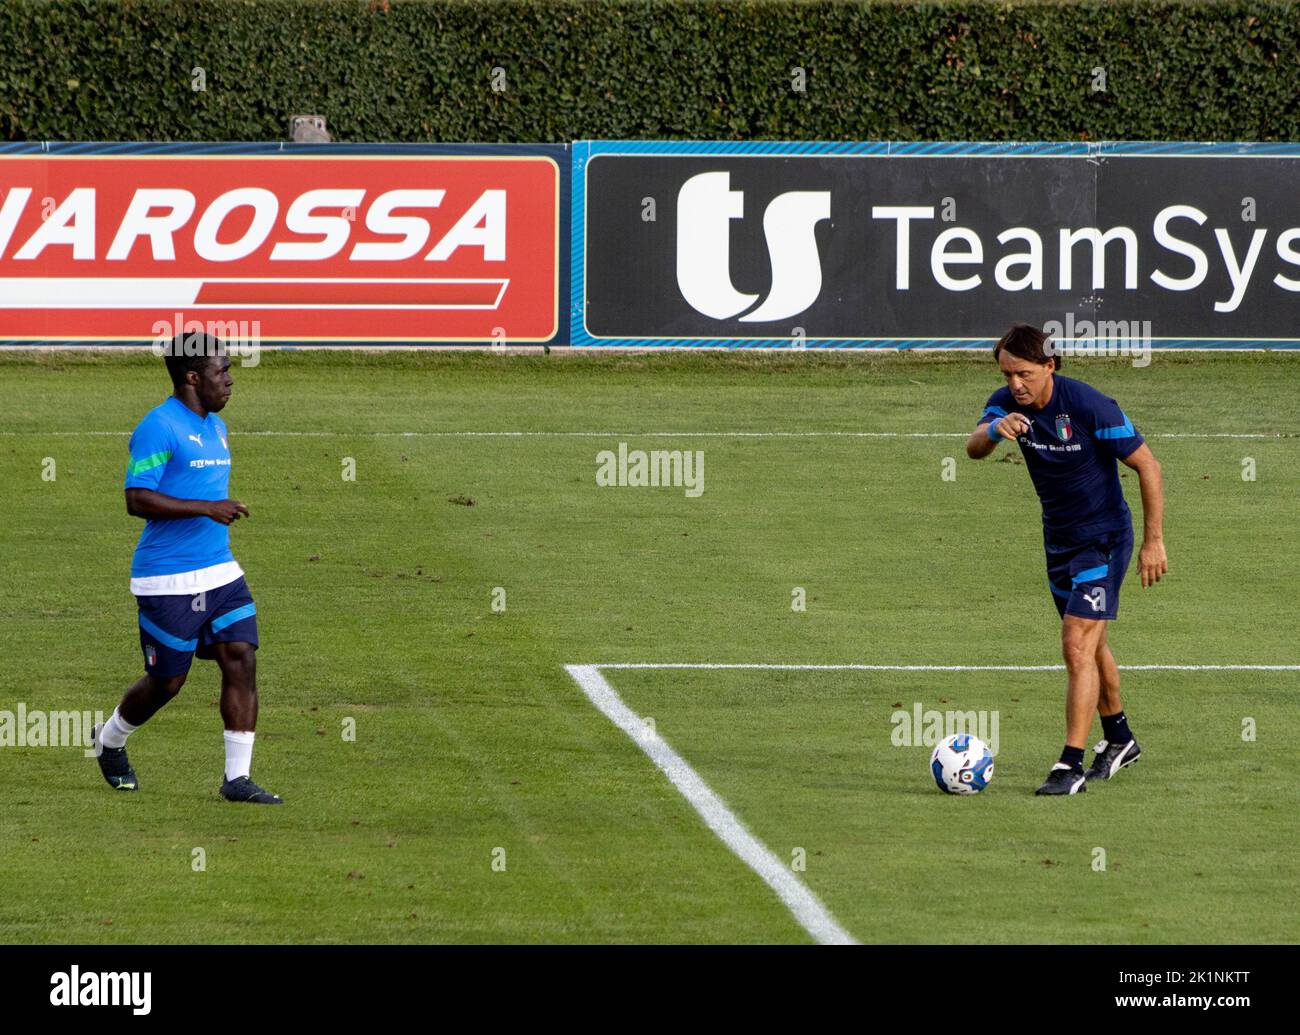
x=948, y=668
x=635, y=434
x=807, y=909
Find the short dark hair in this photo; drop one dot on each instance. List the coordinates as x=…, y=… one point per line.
x=191, y=351
x=1029, y=343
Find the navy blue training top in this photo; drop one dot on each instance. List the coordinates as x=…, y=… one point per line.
x=1071, y=450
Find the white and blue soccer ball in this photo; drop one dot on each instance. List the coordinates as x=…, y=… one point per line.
x=962, y=764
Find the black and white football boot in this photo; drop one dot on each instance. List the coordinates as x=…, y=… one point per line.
x=1064, y=780
x=1111, y=758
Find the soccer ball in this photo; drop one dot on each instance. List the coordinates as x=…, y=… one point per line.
x=961, y=764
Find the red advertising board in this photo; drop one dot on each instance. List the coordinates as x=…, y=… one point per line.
x=329, y=248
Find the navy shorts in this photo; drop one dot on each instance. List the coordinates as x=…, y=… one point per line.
x=175, y=628
x=1085, y=576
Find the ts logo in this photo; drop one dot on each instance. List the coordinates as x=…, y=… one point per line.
x=705, y=206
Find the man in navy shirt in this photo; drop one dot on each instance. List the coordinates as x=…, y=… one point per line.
x=190, y=591
x=1071, y=437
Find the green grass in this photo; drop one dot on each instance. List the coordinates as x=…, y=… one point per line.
x=374, y=601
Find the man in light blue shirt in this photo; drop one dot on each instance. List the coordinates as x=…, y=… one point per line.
x=190, y=591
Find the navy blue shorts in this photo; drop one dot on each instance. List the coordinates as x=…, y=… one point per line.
x=175, y=628
x=1085, y=576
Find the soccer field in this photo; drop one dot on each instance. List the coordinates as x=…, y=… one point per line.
x=485, y=797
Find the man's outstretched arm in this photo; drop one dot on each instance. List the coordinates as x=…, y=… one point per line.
x=1152, y=562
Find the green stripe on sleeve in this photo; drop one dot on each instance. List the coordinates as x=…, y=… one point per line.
x=148, y=463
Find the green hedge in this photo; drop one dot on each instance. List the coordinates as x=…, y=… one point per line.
x=420, y=71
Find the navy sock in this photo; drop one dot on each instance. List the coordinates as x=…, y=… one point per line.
x=1073, y=757
x=1115, y=729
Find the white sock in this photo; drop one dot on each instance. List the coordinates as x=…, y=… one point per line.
x=115, y=731
x=239, y=753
